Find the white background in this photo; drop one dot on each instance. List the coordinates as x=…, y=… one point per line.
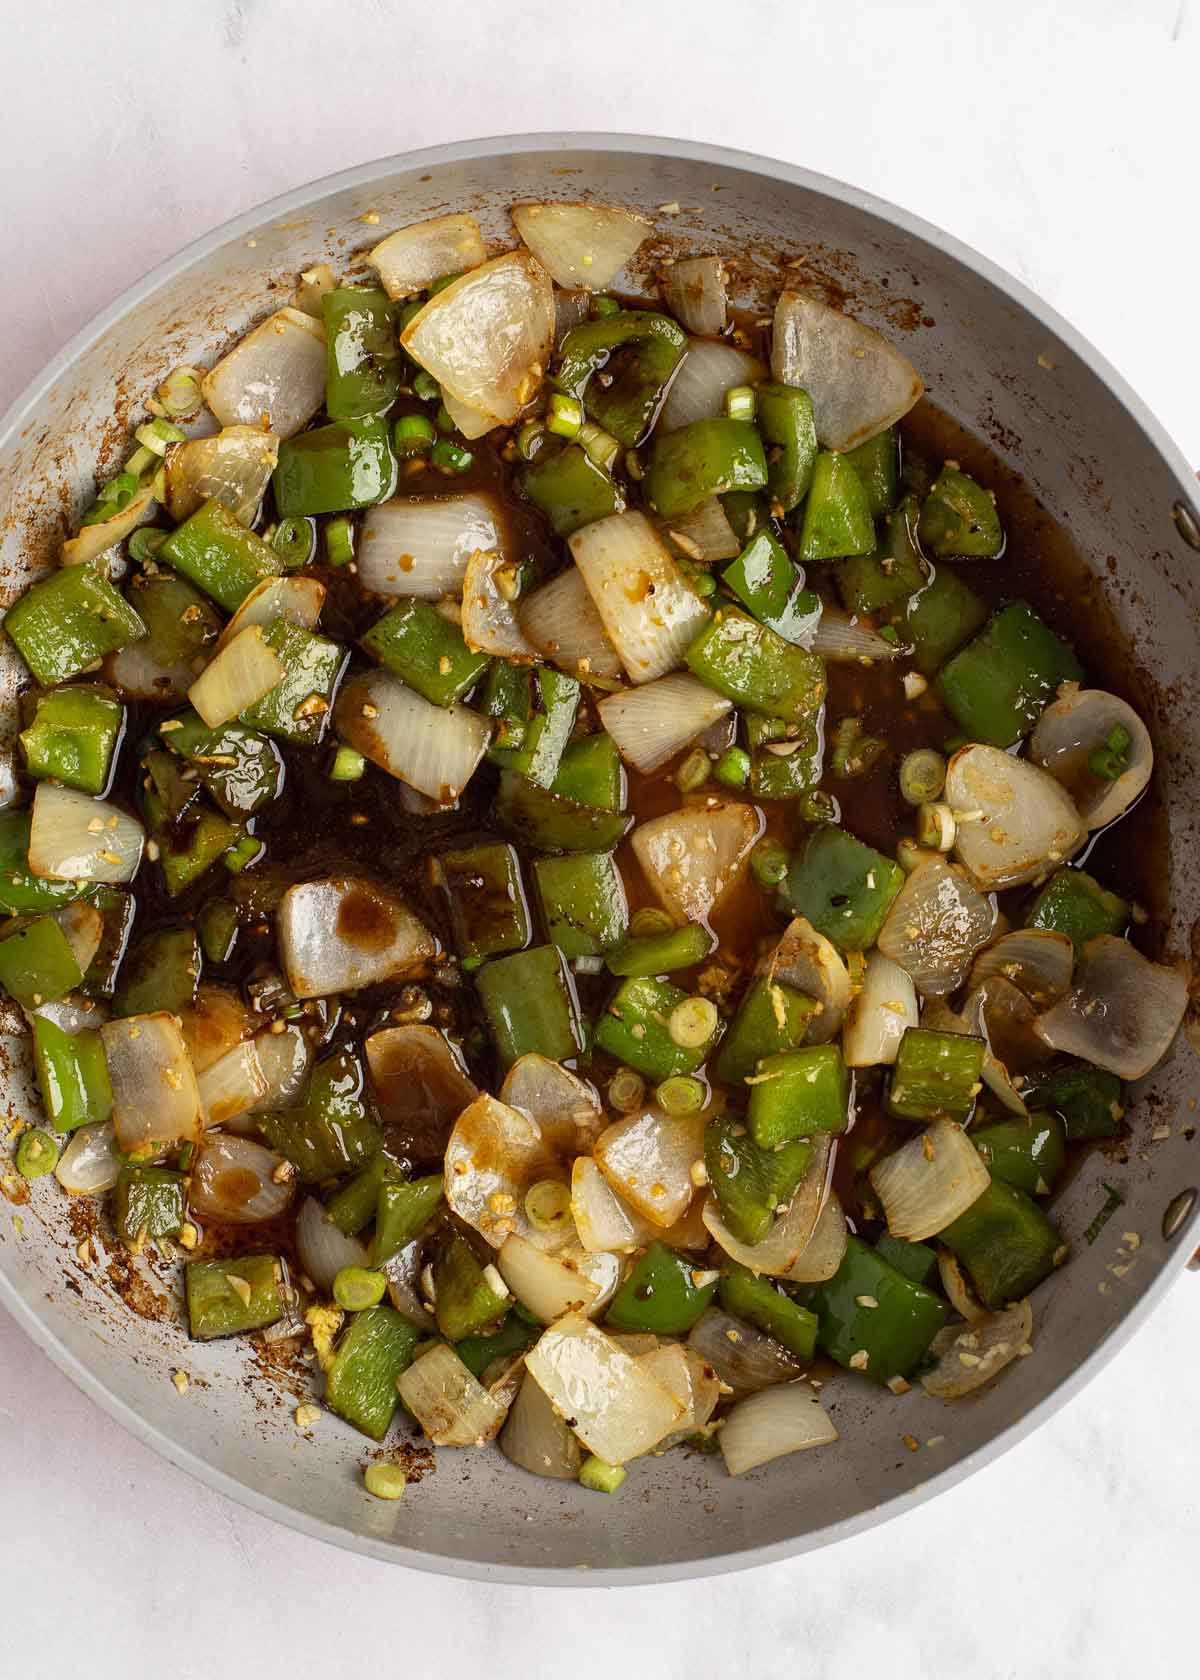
x=1062, y=138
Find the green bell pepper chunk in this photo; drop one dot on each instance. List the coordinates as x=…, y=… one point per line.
x=750, y=1183
x=402, y=1213
x=544, y=821
x=149, y=1203
x=372, y=1352
x=218, y=926
x=785, y=419
x=757, y=1301
x=1087, y=1099
x=754, y=667
x=1006, y=1243
x=798, y=1094
x=877, y=463
x=240, y=767
x=590, y=772
x=299, y=708
x=661, y=953
x=1028, y=1154
x=365, y=367
x=583, y=902
x=885, y=578
x=512, y=1339
x=347, y=464
x=486, y=897
x=181, y=623
x=935, y=1074
x=20, y=891
x=844, y=888
x=704, y=458
x=571, y=489
x=772, y=1017
x=74, y=736
x=508, y=696
x=465, y=1301
x=639, y=350
x=425, y=651
x=187, y=848
x=660, y=1295
x=893, y=1333
x=997, y=687
x=352, y=1207
x=1072, y=902
x=633, y=1029
x=217, y=1308
x=529, y=1004
x=72, y=1076
x=333, y=1130
x=37, y=962
x=939, y=619
x=161, y=972
x=765, y=579
x=117, y=910
x=543, y=705
x=916, y=1260
x=69, y=620
x=746, y=511
x=958, y=516
x=837, y=512
x=792, y=768
x=219, y=555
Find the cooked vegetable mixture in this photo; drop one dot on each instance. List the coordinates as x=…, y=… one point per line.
x=548, y=881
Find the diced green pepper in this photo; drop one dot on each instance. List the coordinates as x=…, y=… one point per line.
x=37, y=962
x=660, y=1295
x=958, y=516
x=352, y=1207
x=217, y=925
x=1073, y=903
x=885, y=578
x=1029, y=1154
x=837, y=512
x=426, y=652
x=935, y=1073
x=785, y=419
x=465, y=1301
x=188, y=847
x=757, y=1301
x=402, y=1212
x=365, y=366
x=754, y=667
x=877, y=463
x=916, y=1260
x=332, y=1131
x=785, y=769
x=843, y=887
x=639, y=350
x=299, y=708
x=872, y=1318
x=72, y=1076
x=746, y=511
x=939, y=619
x=69, y=620
x=218, y=1307
x=798, y=1094
x=512, y=1339
x=583, y=901
x=546, y=702
x=148, y=1204
x=530, y=1005
x=73, y=736
x=347, y=464
x=996, y=688
x=486, y=899
x=181, y=622
x=22, y=892
x=571, y=489
x=162, y=971
x=766, y=579
x=661, y=953
x=544, y=821
x=373, y=1351
x=751, y=1184
x=1006, y=1243
x=117, y=909
x=634, y=1029
x=702, y=459
x=1087, y=1099
x=240, y=767
x=590, y=773
x=772, y=1017
x=219, y=555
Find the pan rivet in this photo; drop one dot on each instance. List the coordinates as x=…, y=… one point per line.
x=1189, y=525
x=1178, y=1209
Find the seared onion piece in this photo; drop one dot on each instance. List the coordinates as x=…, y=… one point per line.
x=968, y=1355
x=493, y=1156
x=155, y=1099
x=767, y=1426
x=956, y=1288
x=709, y=368
x=435, y=749
x=487, y=337
x=673, y=1364
x=705, y=534
x=807, y=960
x=471, y=422
x=604, y=1220
x=217, y=1021
x=823, y=1254
x=239, y=675
x=324, y=1249
x=95, y=540
x=649, y=610
x=1014, y=821
x=139, y=676
x=411, y=259
x=403, y=1273
x=859, y=383
x=233, y=468
x=295, y=600
x=652, y=723
x=580, y=244
x=695, y=293
x=842, y=636
x=420, y=545
x=1122, y=1012
x=452, y=1408
x=617, y=1409
x=925, y=1184
x=315, y=285
x=879, y=1014
x=536, y=1439
x=275, y=376
x=792, y=1232
x=743, y=1358
x=691, y=858
x=1035, y=960
x=83, y=926
x=489, y=616
x=935, y=926
x=648, y=1159
x=545, y=1284
x=73, y=837
x=1079, y=724
x=343, y=933
x=1005, y=1019
x=561, y=621
x=233, y=1085
x=235, y=1181
x=90, y=1164
x=567, y=1111
x=420, y=1082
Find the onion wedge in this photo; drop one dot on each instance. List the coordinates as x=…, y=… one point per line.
x=769, y=1425
x=968, y=1355
x=342, y=933
x=936, y=924
x=435, y=749
x=274, y=378
x=73, y=837
x=791, y=1233
x=691, y=858
x=1075, y=726
x=233, y=468
x=420, y=545
x=649, y=1159
x=1122, y=1012
x=489, y=615
x=1013, y=820
x=619, y=1410
x=709, y=368
x=805, y=959
x=859, y=383
x=653, y=722
x=155, y=1099
x=649, y=610
x=561, y=621
x=580, y=244
x=925, y=1184
x=695, y=293
x=413, y=258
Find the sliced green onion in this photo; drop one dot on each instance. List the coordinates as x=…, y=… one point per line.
x=355, y=1288
x=564, y=417
x=1112, y=759
x=548, y=1205
x=910, y=855
x=650, y=921
x=936, y=827
x=138, y=462
x=37, y=1153
x=413, y=434
x=733, y=767
x=530, y=439
x=740, y=403
x=339, y=541
x=853, y=752
x=385, y=1481
x=158, y=435
x=600, y=447
x=349, y=765
x=633, y=466
x=179, y=396
x=145, y=542
x=817, y=806
x=598, y=1476
x=704, y=583
x=769, y=861
x=693, y=1022
x=626, y=1089
x=693, y=772
x=426, y=386
x=450, y=457
x=682, y=1094
x=445, y=420
x=295, y=542
x=602, y=305
x=243, y=853
x=922, y=775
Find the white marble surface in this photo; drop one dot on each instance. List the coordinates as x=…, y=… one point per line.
x=1062, y=140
